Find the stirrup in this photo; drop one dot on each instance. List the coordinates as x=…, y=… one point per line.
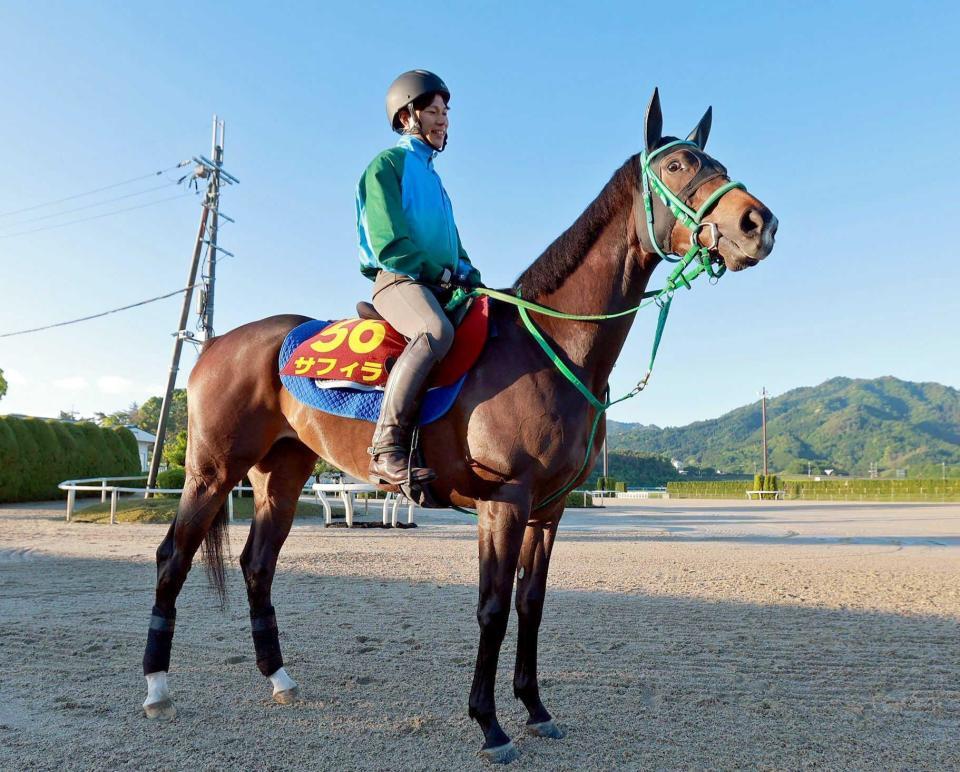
x=412, y=475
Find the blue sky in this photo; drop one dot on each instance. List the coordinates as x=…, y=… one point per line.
x=840, y=116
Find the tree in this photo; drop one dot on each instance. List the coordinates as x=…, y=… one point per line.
x=118, y=418
x=322, y=467
x=147, y=416
x=3, y=385
x=175, y=451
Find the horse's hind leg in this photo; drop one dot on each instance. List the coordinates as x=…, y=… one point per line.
x=531, y=590
x=277, y=484
x=201, y=514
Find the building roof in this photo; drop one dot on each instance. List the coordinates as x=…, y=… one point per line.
x=141, y=435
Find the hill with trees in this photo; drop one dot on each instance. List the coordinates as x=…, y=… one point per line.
x=844, y=424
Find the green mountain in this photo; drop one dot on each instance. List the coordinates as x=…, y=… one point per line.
x=845, y=424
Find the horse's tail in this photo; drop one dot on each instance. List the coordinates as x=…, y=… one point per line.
x=216, y=547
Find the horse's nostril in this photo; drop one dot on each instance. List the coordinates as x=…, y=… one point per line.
x=751, y=222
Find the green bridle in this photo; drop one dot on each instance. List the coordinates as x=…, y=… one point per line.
x=697, y=255
x=692, y=220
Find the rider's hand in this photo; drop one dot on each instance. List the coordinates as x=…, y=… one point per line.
x=467, y=276
x=466, y=284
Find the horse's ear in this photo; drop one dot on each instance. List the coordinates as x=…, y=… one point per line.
x=653, y=122
x=702, y=131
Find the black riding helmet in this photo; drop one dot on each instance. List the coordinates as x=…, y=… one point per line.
x=409, y=87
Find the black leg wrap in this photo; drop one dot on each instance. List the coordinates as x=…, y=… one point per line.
x=266, y=641
x=156, y=656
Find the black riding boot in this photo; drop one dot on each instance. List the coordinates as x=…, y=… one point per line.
x=390, y=449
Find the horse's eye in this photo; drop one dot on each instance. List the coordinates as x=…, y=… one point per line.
x=674, y=166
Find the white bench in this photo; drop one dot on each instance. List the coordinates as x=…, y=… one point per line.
x=760, y=494
x=347, y=491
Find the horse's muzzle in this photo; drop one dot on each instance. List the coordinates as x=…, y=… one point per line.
x=753, y=240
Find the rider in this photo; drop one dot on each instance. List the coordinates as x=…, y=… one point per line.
x=410, y=248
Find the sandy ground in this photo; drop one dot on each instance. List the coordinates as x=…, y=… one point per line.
x=677, y=634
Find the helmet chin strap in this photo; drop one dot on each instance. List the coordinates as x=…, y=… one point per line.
x=437, y=149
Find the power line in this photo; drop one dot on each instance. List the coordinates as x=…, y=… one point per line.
x=97, y=316
x=95, y=190
x=96, y=216
x=95, y=204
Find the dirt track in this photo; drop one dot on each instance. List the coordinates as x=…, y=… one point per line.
x=691, y=634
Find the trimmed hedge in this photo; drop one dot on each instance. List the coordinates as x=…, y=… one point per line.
x=842, y=489
x=720, y=489
x=611, y=484
x=838, y=489
x=579, y=500
x=771, y=483
x=766, y=482
x=36, y=455
x=171, y=478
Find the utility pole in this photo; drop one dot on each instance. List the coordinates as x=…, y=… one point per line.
x=213, y=204
x=763, y=413
x=213, y=172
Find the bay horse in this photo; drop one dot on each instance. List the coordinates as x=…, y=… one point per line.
x=518, y=432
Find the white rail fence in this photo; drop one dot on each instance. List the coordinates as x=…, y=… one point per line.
x=653, y=494
x=346, y=492
x=599, y=498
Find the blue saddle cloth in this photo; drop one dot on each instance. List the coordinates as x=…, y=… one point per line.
x=354, y=403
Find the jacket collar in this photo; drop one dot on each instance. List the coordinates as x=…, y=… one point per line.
x=418, y=147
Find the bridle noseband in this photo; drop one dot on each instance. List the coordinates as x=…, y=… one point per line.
x=676, y=209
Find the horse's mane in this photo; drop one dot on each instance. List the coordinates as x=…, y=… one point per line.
x=563, y=256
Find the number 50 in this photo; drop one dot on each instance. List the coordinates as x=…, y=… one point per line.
x=362, y=339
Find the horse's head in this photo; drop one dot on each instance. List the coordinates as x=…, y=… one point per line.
x=688, y=200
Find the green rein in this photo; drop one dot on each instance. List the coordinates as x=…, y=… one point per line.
x=697, y=259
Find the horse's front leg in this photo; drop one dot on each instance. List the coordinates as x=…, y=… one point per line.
x=278, y=481
x=500, y=530
x=531, y=590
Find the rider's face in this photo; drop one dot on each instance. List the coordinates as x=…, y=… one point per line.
x=434, y=122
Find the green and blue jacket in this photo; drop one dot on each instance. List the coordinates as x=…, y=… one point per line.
x=405, y=219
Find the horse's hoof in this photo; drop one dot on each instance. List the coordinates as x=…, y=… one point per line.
x=286, y=696
x=164, y=710
x=502, y=754
x=546, y=729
